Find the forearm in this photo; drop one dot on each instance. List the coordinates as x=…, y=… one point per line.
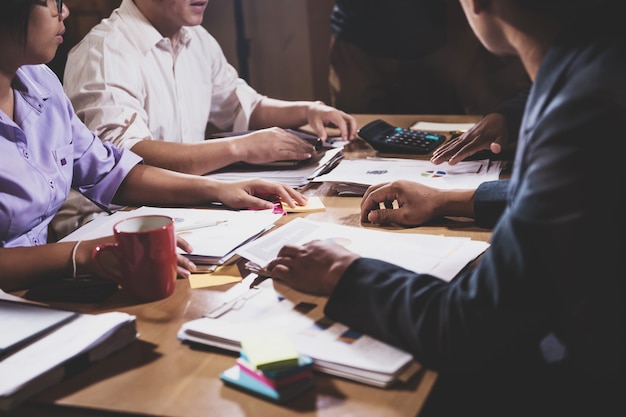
x=149, y=185
x=190, y=158
x=455, y=203
x=23, y=266
x=286, y=114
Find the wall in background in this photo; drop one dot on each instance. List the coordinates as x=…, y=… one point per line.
x=287, y=41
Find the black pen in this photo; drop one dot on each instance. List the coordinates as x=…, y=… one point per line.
x=258, y=280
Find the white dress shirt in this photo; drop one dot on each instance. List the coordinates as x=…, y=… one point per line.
x=128, y=83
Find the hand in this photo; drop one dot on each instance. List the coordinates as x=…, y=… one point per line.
x=85, y=263
x=185, y=266
x=320, y=115
x=271, y=144
x=314, y=267
x=416, y=203
x=253, y=193
x=490, y=132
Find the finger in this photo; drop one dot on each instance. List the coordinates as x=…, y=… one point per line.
x=382, y=216
x=288, y=251
x=183, y=244
x=318, y=127
x=344, y=129
x=287, y=195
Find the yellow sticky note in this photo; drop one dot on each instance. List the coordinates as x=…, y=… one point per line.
x=270, y=350
x=313, y=204
x=226, y=274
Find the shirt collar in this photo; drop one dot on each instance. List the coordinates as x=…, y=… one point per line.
x=143, y=31
x=33, y=92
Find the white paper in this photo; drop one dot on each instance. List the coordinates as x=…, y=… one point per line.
x=211, y=241
x=441, y=127
x=334, y=348
x=370, y=171
x=441, y=256
x=68, y=341
x=294, y=177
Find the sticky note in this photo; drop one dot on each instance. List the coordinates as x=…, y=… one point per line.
x=270, y=350
x=236, y=378
x=314, y=203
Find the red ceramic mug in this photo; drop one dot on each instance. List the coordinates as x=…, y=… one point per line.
x=145, y=254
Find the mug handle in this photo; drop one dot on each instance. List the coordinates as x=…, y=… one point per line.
x=100, y=251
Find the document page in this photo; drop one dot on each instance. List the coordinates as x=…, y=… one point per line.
x=370, y=171
x=335, y=348
x=441, y=256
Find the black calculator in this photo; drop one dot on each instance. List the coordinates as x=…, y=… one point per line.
x=385, y=137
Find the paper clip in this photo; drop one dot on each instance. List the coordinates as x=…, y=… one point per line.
x=233, y=304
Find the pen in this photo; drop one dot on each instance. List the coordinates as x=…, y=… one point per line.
x=198, y=225
x=262, y=273
x=258, y=280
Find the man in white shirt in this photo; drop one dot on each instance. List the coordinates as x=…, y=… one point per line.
x=152, y=79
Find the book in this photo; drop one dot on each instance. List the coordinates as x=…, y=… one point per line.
x=22, y=322
x=53, y=354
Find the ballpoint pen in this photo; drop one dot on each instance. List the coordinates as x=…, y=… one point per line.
x=262, y=273
x=198, y=225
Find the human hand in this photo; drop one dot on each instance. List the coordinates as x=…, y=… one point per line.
x=416, y=203
x=185, y=266
x=86, y=264
x=272, y=144
x=489, y=133
x=320, y=115
x=314, y=267
x=250, y=194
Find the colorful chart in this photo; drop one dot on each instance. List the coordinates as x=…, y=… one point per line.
x=433, y=174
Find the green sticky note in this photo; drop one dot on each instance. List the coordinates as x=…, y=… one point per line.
x=271, y=350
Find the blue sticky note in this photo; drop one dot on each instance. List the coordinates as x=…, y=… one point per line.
x=235, y=378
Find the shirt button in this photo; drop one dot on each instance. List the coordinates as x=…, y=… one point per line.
x=36, y=241
x=51, y=183
x=26, y=154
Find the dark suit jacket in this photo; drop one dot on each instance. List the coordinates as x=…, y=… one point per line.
x=540, y=319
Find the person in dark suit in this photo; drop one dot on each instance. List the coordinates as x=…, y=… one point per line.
x=537, y=325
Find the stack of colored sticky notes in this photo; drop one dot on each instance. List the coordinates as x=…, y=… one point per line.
x=270, y=366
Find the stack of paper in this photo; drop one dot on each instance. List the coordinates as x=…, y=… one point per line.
x=354, y=176
x=32, y=365
x=295, y=177
x=335, y=348
x=213, y=234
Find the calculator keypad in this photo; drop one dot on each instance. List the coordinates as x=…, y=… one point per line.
x=418, y=140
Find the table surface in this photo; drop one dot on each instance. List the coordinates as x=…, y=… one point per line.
x=158, y=375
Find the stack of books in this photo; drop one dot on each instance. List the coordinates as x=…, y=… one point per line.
x=270, y=367
x=41, y=346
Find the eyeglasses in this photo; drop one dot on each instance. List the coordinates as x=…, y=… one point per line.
x=55, y=6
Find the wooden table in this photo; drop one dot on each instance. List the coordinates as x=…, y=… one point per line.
x=160, y=376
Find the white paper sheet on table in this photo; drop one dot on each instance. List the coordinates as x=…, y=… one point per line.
x=441, y=256
x=370, y=171
x=294, y=177
x=213, y=242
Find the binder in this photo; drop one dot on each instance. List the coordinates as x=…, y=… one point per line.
x=44, y=357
